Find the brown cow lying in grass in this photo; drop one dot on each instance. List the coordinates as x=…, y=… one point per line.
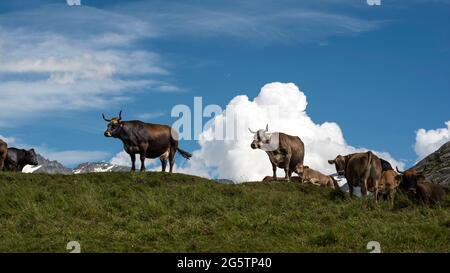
x=307, y=174
x=426, y=192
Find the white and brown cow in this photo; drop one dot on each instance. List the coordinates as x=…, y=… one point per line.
x=284, y=151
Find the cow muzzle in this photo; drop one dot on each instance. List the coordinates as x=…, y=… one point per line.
x=254, y=146
x=108, y=134
x=341, y=173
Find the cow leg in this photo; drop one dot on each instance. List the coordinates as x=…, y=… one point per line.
x=133, y=162
x=287, y=176
x=350, y=189
x=142, y=162
x=392, y=196
x=163, y=164
x=274, y=169
x=173, y=150
x=364, y=189
x=290, y=173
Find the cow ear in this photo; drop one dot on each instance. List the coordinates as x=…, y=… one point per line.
x=331, y=162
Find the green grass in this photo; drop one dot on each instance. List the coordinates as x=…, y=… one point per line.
x=155, y=212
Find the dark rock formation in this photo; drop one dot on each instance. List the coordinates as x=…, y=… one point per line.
x=437, y=166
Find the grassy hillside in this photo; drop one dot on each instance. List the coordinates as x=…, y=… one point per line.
x=154, y=212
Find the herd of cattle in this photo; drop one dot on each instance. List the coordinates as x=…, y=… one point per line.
x=364, y=170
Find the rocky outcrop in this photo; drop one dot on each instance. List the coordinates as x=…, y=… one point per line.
x=51, y=167
x=436, y=166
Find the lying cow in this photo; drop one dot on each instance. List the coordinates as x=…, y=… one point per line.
x=429, y=193
x=3, y=153
x=284, y=151
x=361, y=170
x=307, y=174
x=389, y=183
x=19, y=158
x=426, y=192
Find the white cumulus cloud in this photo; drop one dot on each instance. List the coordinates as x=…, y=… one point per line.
x=283, y=107
x=428, y=141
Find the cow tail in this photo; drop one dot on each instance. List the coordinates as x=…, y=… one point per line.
x=369, y=160
x=184, y=154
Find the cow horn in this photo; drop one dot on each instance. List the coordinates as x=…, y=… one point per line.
x=399, y=170
x=251, y=131
x=120, y=115
x=267, y=128
x=108, y=120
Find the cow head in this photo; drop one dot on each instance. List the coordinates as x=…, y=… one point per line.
x=340, y=162
x=300, y=170
x=31, y=158
x=261, y=138
x=114, y=125
x=408, y=179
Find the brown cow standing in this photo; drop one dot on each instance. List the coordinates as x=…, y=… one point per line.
x=3, y=153
x=389, y=183
x=361, y=170
x=147, y=140
x=307, y=174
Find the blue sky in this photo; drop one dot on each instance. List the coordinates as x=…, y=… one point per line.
x=381, y=73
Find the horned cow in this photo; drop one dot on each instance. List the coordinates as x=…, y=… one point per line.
x=147, y=140
x=415, y=183
x=284, y=151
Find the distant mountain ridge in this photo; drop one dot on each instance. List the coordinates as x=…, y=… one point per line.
x=55, y=167
x=99, y=167
x=50, y=166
